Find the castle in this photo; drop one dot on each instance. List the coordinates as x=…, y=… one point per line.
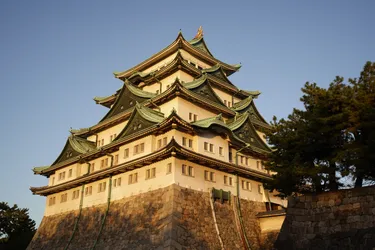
x=177, y=134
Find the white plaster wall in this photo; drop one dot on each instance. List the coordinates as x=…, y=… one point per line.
x=225, y=96
x=184, y=107
x=147, y=149
x=217, y=141
x=198, y=182
x=187, y=56
x=106, y=134
x=160, y=64
x=162, y=179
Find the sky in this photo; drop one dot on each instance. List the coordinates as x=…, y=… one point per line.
x=55, y=56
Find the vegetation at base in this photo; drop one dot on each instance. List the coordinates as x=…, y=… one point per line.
x=16, y=227
x=334, y=136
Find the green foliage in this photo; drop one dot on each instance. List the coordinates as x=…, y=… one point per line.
x=335, y=133
x=16, y=227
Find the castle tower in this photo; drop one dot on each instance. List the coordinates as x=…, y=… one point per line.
x=177, y=136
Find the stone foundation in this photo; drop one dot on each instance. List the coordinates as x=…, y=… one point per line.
x=167, y=218
x=334, y=220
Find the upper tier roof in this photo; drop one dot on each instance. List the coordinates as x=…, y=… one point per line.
x=194, y=48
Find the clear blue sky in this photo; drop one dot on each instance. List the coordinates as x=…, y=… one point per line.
x=55, y=56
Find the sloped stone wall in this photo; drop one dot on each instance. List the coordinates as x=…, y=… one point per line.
x=334, y=220
x=167, y=218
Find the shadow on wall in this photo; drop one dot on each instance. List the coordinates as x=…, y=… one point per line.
x=343, y=219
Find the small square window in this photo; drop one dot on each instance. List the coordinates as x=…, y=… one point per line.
x=169, y=168
x=126, y=153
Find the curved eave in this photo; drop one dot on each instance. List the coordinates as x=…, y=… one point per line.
x=180, y=42
x=172, y=149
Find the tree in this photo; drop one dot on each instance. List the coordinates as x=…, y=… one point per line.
x=331, y=138
x=361, y=147
x=16, y=227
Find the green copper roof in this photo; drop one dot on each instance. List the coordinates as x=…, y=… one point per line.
x=140, y=119
x=81, y=145
x=206, y=123
x=139, y=92
x=37, y=170
x=149, y=114
x=218, y=72
x=242, y=104
x=202, y=87
x=253, y=93
x=127, y=98
x=200, y=44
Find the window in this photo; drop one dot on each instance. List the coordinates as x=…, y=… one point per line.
x=52, y=201
x=53, y=181
x=98, y=143
x=228, y=103
x=159, y=143
x=209, y=176
x=209, y=147
x=133, y=178
x=225, y=102
x=157, y=92
x=260, y=189
x=150, y=173
x=113, y=137
x=117, y=182
x=115, y=161
x=88, y=190
x=75, y=194
x=168, y=86
x=187, y=170
x=190, y=143
x=104, y=163
x=70, y=172
x=169, y=168
x=228, y=180
x=242, y=158
x=221, y=151
x=61, y=176
x=64, y=198
x=92, y=167
x=183, y=141
x=246, y=185
x=102, y=187
x=193, y=117
x=165, y=139
x=247, y=161
x=126, y=153
x=140, y=148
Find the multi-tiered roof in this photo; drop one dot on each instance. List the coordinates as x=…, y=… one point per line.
x=238, y=123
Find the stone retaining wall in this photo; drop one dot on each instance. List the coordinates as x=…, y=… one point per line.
x=167, y=218
x=334, y=220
